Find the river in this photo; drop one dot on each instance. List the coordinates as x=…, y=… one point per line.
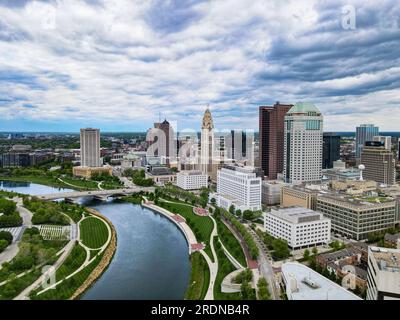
x=152, y=259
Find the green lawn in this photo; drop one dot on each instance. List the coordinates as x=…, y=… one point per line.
x=201, y=226
x=199, y=278
x=94, y=232
x=80, y=184
x=67, y=287
x=75, y=259
x=111, y=185
x=225, y=267
x=16, y=286
x=231, y=243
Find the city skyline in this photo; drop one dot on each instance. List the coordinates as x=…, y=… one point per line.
x=126, y=63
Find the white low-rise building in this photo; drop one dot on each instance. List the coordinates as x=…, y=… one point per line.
x=303, y=283
x=383, y=274
x=300, y=227
x=238, y=186
x=191, y=180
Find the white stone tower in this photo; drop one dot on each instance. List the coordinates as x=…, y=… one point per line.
x=207, y=143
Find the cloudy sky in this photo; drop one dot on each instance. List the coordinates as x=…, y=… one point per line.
x=119, y=64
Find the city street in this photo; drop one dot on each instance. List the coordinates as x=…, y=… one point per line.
x=265, y=265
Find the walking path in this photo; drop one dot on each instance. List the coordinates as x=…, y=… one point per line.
x=12, y=250
x=24, y=295
x=212, y=265
x=88, y=250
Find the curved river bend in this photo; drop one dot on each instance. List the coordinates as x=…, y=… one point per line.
x=152, y=259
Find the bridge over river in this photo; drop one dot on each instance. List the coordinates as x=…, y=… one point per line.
x=95, y=193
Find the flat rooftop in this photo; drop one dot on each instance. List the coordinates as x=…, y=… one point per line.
x=296, y=214
x=324, y=289
x=387, y=259
x=360, y=201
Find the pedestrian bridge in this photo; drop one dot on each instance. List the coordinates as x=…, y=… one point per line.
x=95, y=193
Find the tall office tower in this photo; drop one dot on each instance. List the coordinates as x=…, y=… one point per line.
x=398, y=150
x=364, y=133
x=90, y=147
x=386, y=140
x=207, y=143
x=271, y=137
x=166, y=129
x=330, y=150
x=379, y=163
x=303, y=143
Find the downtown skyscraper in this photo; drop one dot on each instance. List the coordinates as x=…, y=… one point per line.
x=90, y=147
x=364, y=133
x=271, y=138
x=303, y=144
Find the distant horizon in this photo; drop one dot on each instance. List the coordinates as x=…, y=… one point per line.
x=104, y=131
x=122, y=65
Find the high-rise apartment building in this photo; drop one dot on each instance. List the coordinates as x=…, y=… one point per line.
x=90, y=147
x=303, y=144
x=364, y=133
x=271, y=137
x=379, y=162
x=330, y=150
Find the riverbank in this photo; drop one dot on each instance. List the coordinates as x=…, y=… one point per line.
x=47, y=181
x=104, y=262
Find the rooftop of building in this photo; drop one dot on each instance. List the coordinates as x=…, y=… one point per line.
x=358, y=200
x=310, y=285
x=387, y=259
x=239, y=169
x=340, y=254
x=392, y=237
x=190, y=172
x=160, y=171
x=304, y=108
x=296, y=214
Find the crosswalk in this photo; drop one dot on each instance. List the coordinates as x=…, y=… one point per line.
x=15, y=231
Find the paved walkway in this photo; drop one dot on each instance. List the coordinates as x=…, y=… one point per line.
x=12, y=250
x=212, y=265
x=88, y=250
x=65, y=252
x=251, y=264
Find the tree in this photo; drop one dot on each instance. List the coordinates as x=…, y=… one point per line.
x=7, y=206
x=306, y=254
x=232, y=209
x=5, y=235
x=238, y=213
x=315, y=251
x=3, y=245
x=213, y=201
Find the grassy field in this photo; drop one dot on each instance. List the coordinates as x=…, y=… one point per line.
x=231, y=243
x=94, y=232
x=199, y=278
x=225, y=267
x=72, y=263
x=69, y=286
x=201, y=226
x=80, y=184
x=16, y=286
